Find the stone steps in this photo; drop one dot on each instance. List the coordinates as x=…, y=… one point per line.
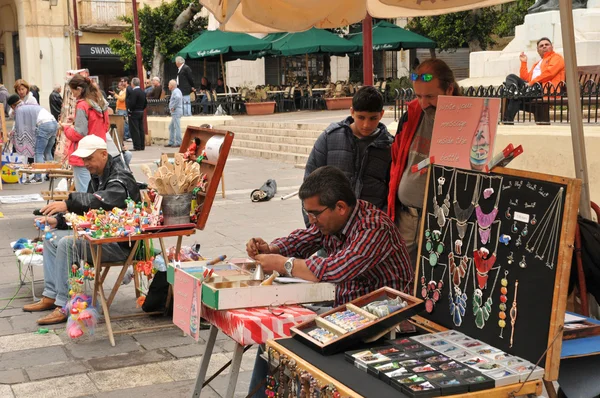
x=284, y=142
x=287, y=131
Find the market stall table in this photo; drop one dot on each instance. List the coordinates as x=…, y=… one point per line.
x=101, y=269
x=53, y=174
x=353, y=382
x=246, y=327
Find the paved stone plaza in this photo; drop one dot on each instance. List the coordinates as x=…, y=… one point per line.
x=161, y=363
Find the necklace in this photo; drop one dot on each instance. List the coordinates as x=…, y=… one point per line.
x=549, y=223
x=441, y=212
x=482, y=310
x=458, y=303
x=483, y=260
x=431, y=291
x=513, y=314
x=434, y=243
x=463, y=215
x=458, y=271
x=485, y=220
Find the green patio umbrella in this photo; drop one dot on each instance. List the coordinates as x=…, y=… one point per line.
x=390, y=37
x=312, y=41
x=229, y=45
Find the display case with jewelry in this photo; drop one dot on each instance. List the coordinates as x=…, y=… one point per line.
x=358, y=320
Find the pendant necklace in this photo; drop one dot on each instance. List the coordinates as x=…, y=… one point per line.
x=548, y=224
x=513, y=315
x=431, y=291
x=434, y=243
x=459, y=271
x=485, y=220
x=463, y=215
x=441, y=212
x=483, y=310
x=458, y=303
x=484, y=261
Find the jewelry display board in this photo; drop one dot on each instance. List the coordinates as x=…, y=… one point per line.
x=495, y=256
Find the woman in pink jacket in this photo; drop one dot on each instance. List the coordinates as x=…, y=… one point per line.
x=91, y=117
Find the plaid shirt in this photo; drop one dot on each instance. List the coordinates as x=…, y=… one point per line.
x=366, y=255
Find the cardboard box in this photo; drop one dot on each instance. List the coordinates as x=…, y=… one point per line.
x=233, y=293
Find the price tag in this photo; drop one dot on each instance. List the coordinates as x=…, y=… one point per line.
x=522, y=217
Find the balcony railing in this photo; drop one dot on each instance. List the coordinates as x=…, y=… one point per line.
x=103, y=15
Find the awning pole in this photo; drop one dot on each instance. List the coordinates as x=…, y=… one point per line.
x=579, y=155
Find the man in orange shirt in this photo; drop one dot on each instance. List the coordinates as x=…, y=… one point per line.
x=550, y=69
x=121, y=108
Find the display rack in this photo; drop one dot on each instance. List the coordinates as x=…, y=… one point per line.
x=213, y=170
x=526, y=221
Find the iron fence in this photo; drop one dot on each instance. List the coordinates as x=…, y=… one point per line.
x=540, y=104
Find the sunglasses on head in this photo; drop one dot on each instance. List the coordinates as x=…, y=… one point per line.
x=426, y=77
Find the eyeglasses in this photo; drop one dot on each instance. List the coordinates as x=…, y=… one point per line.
x=426, y=77
x=313, y=214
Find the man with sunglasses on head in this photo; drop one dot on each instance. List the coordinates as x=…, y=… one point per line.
x=364, y=250
x=431, y=79
x=549, y=69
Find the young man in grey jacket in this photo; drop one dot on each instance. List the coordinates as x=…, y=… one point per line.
x=360, y=147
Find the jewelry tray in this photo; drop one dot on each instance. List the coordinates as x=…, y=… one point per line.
x=348, y=339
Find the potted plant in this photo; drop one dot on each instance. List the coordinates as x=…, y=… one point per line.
x=338, y=97
x=257, y=104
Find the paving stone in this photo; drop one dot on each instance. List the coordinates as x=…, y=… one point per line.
x=33, y=357
x=66, y=387
x=163, y=339
x=129, y=359
x=56, y=370
x=26, y=322
x=187, y=368
x=191, y=350
x=128, y=377
x=6, y=391
x=18, y=342
x=5, y=327
x=12, y=376
x=175, y=389
x=101, y=347
x=220, y=383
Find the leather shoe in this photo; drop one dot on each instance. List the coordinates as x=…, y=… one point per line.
x=43, y=305
x=169, y=146
x=57, y=316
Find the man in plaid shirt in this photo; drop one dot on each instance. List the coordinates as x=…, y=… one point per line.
x=364, y=249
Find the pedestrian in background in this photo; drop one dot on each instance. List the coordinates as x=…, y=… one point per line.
x=136, y=103
x=176, y=108
x=91, y=118
x=185, y=82
x=56, y=102
x=121, y=107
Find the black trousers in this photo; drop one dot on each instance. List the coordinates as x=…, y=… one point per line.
x=136, y=130
x=513, y=105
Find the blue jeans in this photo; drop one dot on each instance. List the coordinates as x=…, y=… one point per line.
x=175, y=130
x=59, y=254
x=259, y=374
x=204, y=104
x=45, y=137
x=126, y=135
x=82, y=178
x=187, y=106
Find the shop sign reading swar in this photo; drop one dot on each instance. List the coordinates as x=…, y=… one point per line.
x=95, y=50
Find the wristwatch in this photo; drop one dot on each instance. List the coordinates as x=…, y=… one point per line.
x=289, y=266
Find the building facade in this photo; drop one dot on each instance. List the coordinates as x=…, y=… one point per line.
x=37, y=40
